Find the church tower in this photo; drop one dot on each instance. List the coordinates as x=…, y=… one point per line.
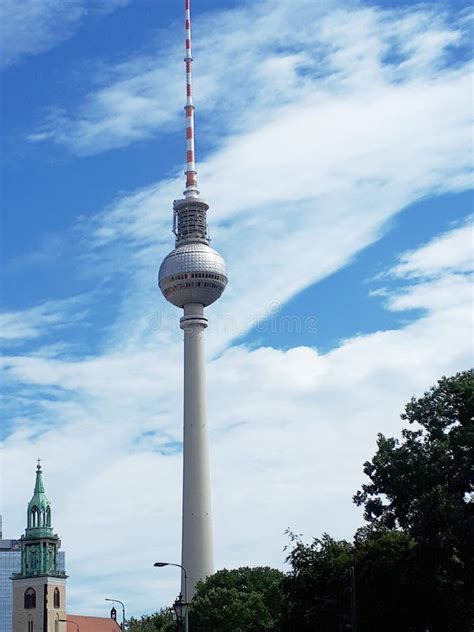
x=39, y=590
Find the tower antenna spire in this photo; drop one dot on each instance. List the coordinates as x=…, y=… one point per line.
x=191, y=179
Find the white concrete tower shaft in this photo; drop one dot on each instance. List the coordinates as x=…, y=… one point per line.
x=197, y=540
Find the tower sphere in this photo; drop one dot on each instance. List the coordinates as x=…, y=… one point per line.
x=192, y=273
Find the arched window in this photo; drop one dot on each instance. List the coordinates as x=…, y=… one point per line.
x=34, y=518
x=56, y=599
x=48, y=517
x=30, y=598
x=30, y=626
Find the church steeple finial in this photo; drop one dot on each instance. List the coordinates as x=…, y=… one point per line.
x=39, y=485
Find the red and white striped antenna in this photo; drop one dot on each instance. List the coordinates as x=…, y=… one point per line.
x=191, y=180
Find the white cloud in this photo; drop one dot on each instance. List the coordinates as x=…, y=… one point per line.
x=34, y=26
x=21, y=325
x=278, y=54
x=453, y=252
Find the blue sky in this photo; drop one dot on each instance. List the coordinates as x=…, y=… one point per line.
x=334, y=147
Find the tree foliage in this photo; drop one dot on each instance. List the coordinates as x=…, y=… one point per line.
x=423, y=484
x=241, y=600
x=317, y=591
x=387, y=586
x=158, y=622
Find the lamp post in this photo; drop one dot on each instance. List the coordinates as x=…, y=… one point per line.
x=123, y=610
x=353, y=600
x=180, y=610
x=179, y=600
x=70, y=621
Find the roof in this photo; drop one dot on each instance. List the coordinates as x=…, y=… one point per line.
x=39, y=497
x=92, y=624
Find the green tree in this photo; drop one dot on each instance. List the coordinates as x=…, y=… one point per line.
x=240, y=600
x=386, y=582
x=157, y=622
x=413, y=561
x=423, y=484
x=316, y=591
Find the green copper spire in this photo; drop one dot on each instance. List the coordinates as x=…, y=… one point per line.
x=39, y=545
x=39, y=485
x=39, y=509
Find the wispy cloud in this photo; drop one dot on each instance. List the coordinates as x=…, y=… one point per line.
x=453, y=252
x=24, y=325
x=278, y=54
x=30, y=27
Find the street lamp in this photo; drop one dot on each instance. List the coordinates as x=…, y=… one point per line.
x=180, y=598
x=353, y=600
x=162, y=564
x=70, y=621
x=180, y=611
x=123, y=610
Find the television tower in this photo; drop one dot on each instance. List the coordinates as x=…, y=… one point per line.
x=192, y=277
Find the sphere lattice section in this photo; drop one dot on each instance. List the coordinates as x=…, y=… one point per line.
x=192, y=273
